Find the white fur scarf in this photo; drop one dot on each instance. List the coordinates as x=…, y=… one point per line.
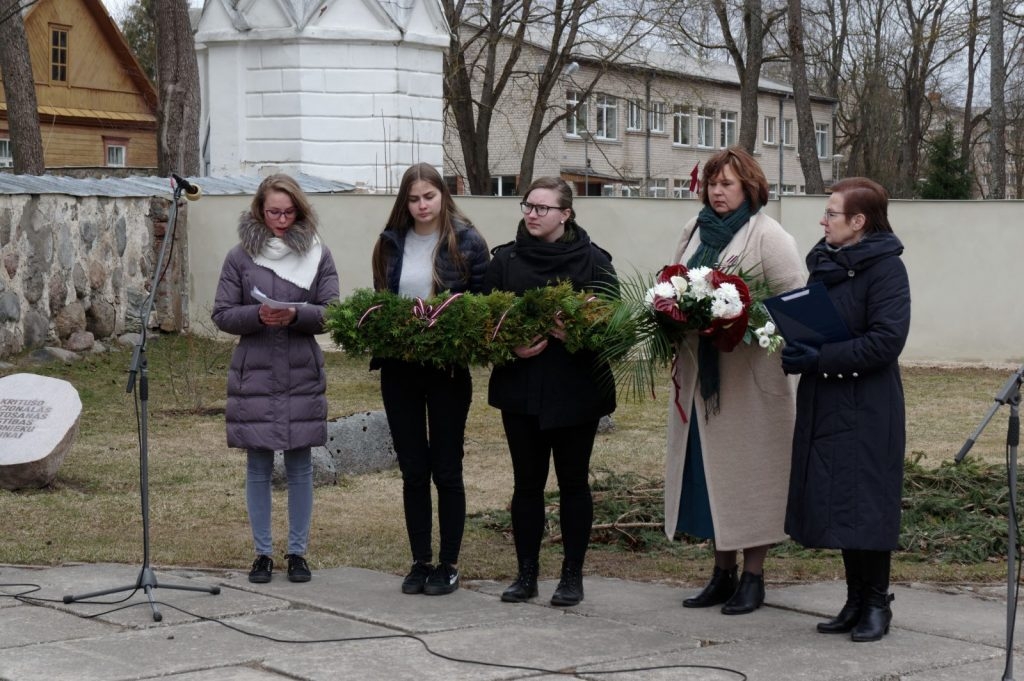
x=298, y=268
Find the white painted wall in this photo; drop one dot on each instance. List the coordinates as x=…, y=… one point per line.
x=963, y=257
x=349, y=90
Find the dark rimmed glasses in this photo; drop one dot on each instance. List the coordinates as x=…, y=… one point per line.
x=541, y=209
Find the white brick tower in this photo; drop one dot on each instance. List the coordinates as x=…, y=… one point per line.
x=349, y=90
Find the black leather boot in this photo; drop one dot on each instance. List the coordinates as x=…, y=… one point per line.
x=570, y=587
x=718, y=590
x=748, y=597
x=525, y=586
x=875, y=616
x=849, y=615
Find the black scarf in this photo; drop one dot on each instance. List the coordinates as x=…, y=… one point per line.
x=715, y=234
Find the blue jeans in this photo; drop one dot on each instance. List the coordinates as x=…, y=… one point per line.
x=298, y=464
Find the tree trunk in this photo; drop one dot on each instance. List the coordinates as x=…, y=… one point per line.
x=20, y=91
x=997, y=60
x=178, y=86
x=806, y=134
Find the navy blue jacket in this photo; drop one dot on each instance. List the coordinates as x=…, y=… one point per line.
x=849, y=440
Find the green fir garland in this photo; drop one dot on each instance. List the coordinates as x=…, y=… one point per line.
x=466, y=329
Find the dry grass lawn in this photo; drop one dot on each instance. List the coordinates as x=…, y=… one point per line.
x=197, y=503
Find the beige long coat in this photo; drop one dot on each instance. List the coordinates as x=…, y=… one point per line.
x=747, y=445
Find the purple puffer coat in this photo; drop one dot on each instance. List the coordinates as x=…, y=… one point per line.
x=276, y=381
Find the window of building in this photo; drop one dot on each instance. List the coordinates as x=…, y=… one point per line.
x=705, y=127
x=631, y=190
x=657, y=188
x=787, y=132
x=634, y=115
x=821, y=139
x=607, y=117
x=59, y=54
x=788, y=189
x=681, y=188
x=452, y=182
x=116, y=152
x=770, y=125
x=608, y=190
x=728, y=128
x=575, y=123
x=503, y=185
x=681, y=125
x=656, y=117
x=6, y=156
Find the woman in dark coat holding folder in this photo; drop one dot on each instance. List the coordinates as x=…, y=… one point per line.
x=847, y=471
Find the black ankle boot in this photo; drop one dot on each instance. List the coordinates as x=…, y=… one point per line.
x=849, y=615
x=875, y=616
x=570, y=587
x=748, y=597
x=718, y=590
x=525, y=586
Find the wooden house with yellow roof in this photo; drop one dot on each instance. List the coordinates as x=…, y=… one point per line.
x=97, y=108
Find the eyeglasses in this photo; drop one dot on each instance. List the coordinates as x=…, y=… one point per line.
x=541, y=209
x=829, y=214
x=275, y=214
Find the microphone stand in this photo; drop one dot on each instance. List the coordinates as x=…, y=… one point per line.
x=1009, y=394
x=147, y=578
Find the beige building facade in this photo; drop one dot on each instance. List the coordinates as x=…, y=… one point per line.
x=643, y=129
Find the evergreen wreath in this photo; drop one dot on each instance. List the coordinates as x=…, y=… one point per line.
x=466, y=329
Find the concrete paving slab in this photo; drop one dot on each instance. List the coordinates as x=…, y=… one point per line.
x=228, y=674
x=551, y=645
x=135, y=654
x=962, y=615
x=402, y=660
x=30, y=624
x=377, y=598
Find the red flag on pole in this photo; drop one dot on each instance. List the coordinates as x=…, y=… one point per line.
x=694, y=182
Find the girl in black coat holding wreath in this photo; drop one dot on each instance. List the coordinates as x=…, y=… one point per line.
x=846, y=478
x=550, y=399
x=426, y=248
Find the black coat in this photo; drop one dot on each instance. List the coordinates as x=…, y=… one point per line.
x=846, y=479
x=471, y=245
x=561, y=388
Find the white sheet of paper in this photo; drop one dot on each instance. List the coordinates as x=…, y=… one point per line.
x=270, y=302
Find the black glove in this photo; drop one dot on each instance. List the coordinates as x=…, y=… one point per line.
x=799, y=358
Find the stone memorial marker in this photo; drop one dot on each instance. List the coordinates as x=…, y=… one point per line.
x=38, y=424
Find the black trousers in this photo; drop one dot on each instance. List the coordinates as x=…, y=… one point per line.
x=868, y=567
x=427, y=409
x=532, y=449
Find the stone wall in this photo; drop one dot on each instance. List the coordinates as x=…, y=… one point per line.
x=74, y=264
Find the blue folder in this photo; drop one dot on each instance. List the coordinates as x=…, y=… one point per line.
x=807, y=315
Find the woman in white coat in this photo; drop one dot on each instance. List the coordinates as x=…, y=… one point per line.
x=727, y=464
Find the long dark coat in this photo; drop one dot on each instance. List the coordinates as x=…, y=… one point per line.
x=846, y=477
x=276, y=380
x=561, y=388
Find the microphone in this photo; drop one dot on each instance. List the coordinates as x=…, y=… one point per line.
x=192, y=191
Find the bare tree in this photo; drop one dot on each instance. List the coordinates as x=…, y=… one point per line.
x=178, y=87
x=997, y=117
x=485, y=61
x=20, y=90
x=138, y=24
x=813, y=181
x=744, y=44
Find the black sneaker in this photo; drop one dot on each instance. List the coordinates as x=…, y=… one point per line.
x=262, y=567
x=298, y=568
x=444, y=579
x=417, y=578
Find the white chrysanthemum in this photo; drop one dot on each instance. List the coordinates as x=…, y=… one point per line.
x=769, y=328
x=763, y=340
x=680, y=285
x=665, y=290
x=725, y=302
x=700, y=287
x=649, y=297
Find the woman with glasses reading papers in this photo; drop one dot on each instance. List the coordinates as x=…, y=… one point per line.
x=272, y=292
x=550, y=399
